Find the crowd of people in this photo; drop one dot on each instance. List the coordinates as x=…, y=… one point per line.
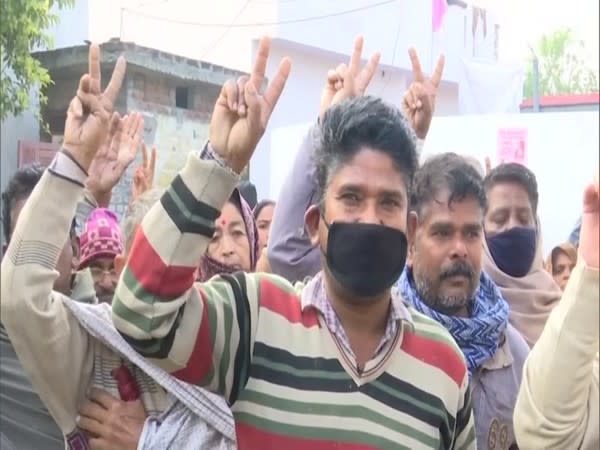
x=381, y=302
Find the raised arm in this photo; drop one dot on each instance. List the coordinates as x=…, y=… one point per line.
x=201, y=333
x=290, y=252
x=112, y=159
x=557, y=406
x=51, y=345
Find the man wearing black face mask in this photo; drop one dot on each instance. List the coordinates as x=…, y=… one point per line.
x=513, y=254
x=338, y=362
x=444, y=281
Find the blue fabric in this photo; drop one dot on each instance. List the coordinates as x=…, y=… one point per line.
x=513, y=250
x=477, y=336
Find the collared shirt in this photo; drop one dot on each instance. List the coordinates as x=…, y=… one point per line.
x=315, y=296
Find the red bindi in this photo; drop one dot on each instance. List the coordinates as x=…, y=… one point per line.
x=223, y=222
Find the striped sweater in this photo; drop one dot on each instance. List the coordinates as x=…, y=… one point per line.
x=247, y=337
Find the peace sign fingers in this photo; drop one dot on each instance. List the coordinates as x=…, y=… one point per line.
x=114, y=85
x=356, y=57
x=418, y=75
x=94, y=69
x=366, y=75
x=276, y=85
x=419, y=100
x=416, y=66
x=436, y=78
x=257, y=76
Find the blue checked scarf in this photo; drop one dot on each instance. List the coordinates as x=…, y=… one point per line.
x=477, y=336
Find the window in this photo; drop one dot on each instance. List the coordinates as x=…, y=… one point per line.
x=183, y=97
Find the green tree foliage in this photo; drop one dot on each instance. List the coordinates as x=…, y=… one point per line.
x=23, y=26
x=562, y=67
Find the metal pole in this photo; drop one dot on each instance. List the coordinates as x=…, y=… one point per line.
x=536, y=81
x=536, y=84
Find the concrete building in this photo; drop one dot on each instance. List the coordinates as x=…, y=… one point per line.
x=317, y=36
x=176, y=95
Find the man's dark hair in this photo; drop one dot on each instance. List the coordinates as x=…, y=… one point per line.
x=364, y=122
x=20, y=186
x=446, y=171
x=260, y=206
x=514, y=173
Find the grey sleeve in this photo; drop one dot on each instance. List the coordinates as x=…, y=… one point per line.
x=291, y=255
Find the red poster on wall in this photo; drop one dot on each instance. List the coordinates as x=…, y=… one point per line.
x=512, y=146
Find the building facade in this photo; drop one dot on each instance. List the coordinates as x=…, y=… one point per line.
x=175, y=94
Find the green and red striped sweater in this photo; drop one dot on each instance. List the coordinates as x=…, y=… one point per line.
x=246, y=336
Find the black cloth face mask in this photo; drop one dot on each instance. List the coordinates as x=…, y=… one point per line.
x=364, y=258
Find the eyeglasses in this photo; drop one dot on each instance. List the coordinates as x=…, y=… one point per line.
x=98, y=273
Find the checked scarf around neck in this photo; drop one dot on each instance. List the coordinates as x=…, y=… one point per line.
x=477, y=336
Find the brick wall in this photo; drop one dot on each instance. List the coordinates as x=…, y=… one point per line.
x=155, y=90
x=173, y=131
x=59, y=96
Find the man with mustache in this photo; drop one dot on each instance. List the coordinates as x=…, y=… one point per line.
x=444, y=280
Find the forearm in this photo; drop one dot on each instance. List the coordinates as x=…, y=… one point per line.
x=43, y=333
x=159, y=276
x=558, y=374
x=290, y=251
x=28, y=270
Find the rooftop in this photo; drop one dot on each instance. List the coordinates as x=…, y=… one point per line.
x=565, y=100
x=76, y=59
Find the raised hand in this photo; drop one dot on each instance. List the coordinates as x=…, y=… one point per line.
x=143, y=178
x=236, y=126
x=115, y=155
x=91, y=109
x=350, y=80
x=589, y=237
x=419, y=99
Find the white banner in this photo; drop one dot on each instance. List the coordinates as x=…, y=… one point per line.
x=489, y=88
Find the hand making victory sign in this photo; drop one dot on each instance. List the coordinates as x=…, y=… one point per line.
x=143, y=177
x=419, y=99
x=239, y=121
x=91, y=110
x=348, y=81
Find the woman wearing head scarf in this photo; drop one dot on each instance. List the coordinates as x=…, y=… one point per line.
x=234, y=246
x=513, y=249
x=561, y=262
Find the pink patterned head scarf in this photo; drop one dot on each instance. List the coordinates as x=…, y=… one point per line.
x=209, y=267
x=101, y=237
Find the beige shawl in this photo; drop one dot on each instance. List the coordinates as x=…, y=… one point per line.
x=531, y=298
